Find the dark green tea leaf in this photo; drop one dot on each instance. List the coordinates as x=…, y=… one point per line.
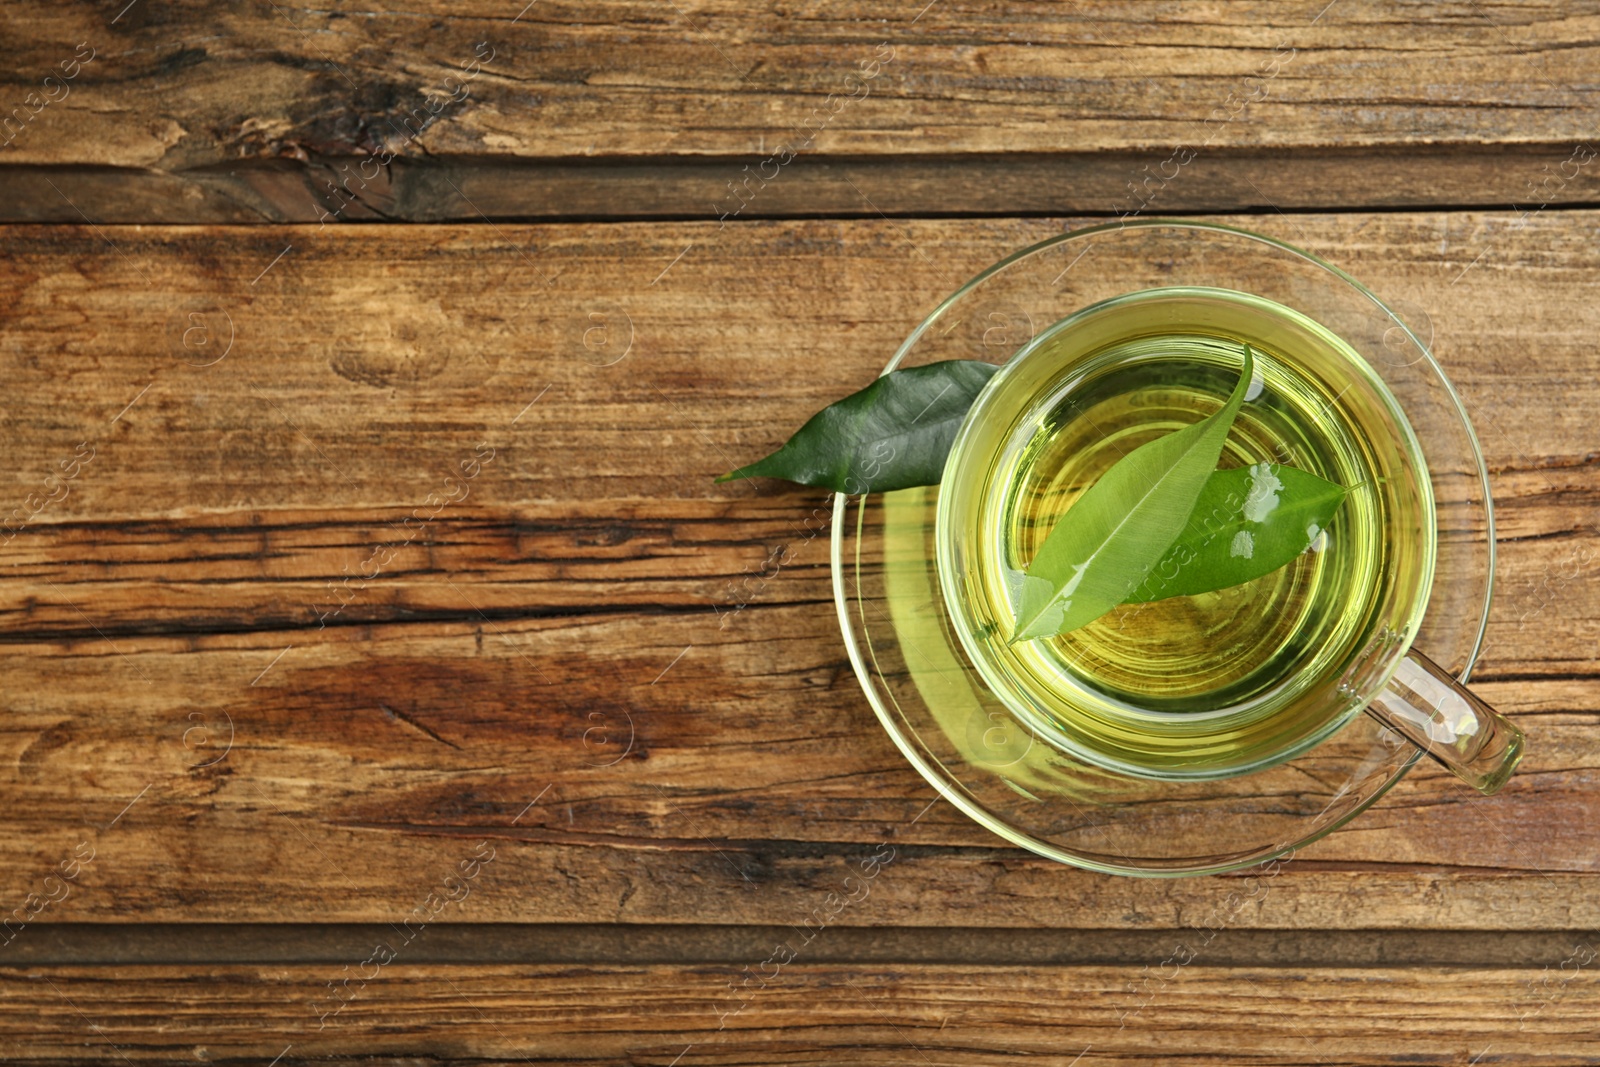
x=894, y=434
x=1248, y=522
x=1122, y=525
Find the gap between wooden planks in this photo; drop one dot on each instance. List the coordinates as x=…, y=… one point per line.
x=121, y=944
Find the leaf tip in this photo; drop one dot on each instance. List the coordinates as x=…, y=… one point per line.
x=1032, y=630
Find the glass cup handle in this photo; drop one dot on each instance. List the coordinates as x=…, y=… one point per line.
x=1436, y=713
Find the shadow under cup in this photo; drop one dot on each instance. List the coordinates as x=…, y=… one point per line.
x=1269, y=669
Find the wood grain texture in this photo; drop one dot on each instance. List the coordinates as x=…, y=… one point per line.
x=558, y=664
x=802, y=1014
x=187, y=112
x=184, y=85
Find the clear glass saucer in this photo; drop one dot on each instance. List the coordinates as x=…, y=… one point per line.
x=969, y=746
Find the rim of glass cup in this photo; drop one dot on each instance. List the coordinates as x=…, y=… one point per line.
x=982, y=815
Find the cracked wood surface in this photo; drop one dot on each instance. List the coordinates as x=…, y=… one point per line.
x=257, y=643
x=182, y=85
x=190, y=112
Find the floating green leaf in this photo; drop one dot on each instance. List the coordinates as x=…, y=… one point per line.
x=1248, y=522
x=893, y=434
x=1122, y=525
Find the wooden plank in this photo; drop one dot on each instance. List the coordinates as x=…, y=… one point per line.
x=450, y=333
x=754, y=782
x=386, y=1010
x=720, y=78
x=268, y=113
x=285, y=569
x=592, y=569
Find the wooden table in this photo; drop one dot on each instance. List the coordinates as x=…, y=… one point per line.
x=385, y=678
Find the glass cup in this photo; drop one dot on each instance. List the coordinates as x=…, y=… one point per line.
x=971, y=715
x=1346, y=658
